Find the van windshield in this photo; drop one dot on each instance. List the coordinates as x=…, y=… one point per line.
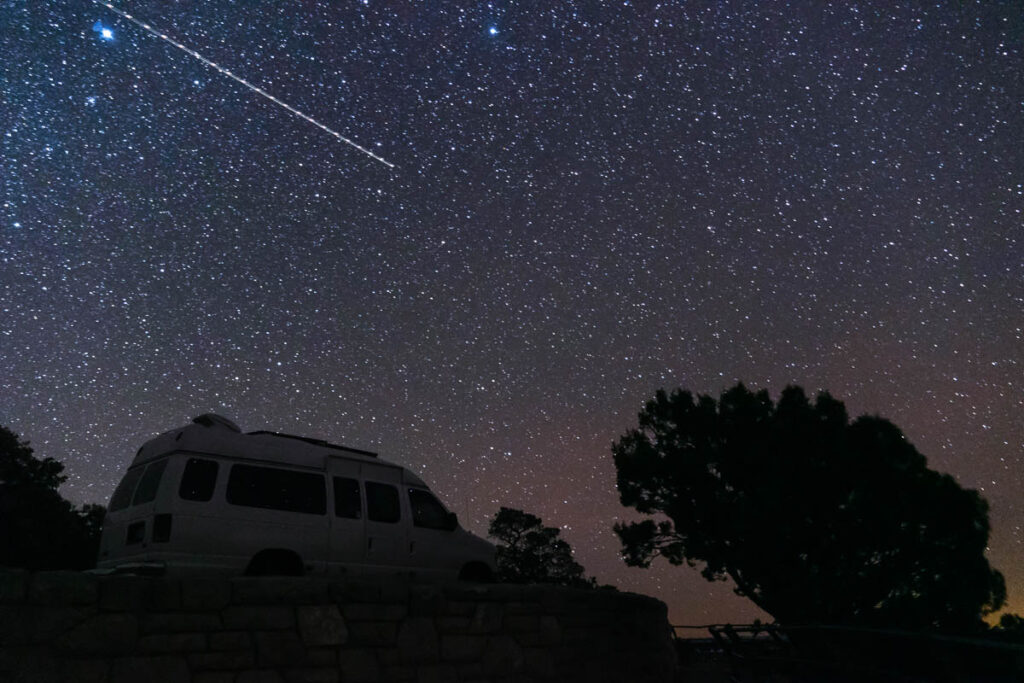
x=150, y=482
x=123, y=494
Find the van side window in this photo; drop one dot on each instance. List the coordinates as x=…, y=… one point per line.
x=427, y=511
x=382, y=503
x=150, y=482
x=277, y=489
x=347, y=502
x=123, y=494
x=198, y=480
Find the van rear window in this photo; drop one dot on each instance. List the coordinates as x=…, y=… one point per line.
x=382, y=503
x=198, y=480
x=150, y=482
x=277, y=489
x=123, y=493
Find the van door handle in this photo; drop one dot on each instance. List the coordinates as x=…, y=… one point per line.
x=369, y=542
x=412, y=547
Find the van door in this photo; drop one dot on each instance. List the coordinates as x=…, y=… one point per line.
x=433, y=550
x=385, y=524
x=347, y=546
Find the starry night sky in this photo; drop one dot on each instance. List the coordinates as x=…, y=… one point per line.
x=590, y=201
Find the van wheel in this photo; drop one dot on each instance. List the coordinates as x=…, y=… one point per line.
x=275, y=563
x=476, y=572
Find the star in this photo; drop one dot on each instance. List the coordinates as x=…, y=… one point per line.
x=105, y=32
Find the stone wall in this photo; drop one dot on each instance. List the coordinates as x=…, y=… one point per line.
x=66, y=626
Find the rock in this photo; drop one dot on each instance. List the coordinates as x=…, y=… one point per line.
x=103, y=634
x=149, y=670
x=417, y=640
x=64, y=588
x=321, y=625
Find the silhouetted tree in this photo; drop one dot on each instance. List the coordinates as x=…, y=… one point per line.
x=815, y=518
x=39, y=529
x=1010, y=628
x=529, y=552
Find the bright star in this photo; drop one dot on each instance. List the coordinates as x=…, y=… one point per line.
x=493, y=30
x=105, y=33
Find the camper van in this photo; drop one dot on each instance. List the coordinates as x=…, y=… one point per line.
x=206, y=498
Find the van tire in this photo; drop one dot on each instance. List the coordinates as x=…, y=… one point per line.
x=476, y=572
x=275, y=563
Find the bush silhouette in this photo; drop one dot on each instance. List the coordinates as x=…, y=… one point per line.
x=39, y=529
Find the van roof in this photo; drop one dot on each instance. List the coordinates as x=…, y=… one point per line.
x=216, y=435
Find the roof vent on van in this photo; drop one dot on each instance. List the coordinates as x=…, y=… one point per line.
x=212, y=420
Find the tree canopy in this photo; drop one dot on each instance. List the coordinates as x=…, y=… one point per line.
x=39, y=529
x=815, y=518
x=529, y=552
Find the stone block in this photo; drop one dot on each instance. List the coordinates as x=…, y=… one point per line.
x=373, y=633
x=314, y=675
x=418, y=641
x=538, y=663
x=31, y=665
x=270, y=618
x=502, y=656
x=279, y=590
x=321, y=657
x=230, y=640
x=358, y=666
x=395, y=590
x=468, y=592
x=205, y=594
x=453, y=625
x=15, y=624
x=214, y=677
x=149, y=670
x=86, y=670
x=456, y=608
x=279, y=648
x=180, y=623
x=552, y=601
x=462, y=648
x=131, y=593
x=13, y=585
x=121, y=593
x=520, y=608
x=345, y=592
x=396, y=672
x=321, y=625
x=436, y=673
x=43, y=624
x=170, y=643
x=522, y=623
x=550, y=631
x=426, y=600
x=487, y=618
x=62, y=588
x=222, y=661
x=374, y=612
x=258, y=676
x=102, y=634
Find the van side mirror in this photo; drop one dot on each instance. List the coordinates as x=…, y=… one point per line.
x=451, y=522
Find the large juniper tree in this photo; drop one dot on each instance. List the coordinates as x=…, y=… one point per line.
x=815, y=518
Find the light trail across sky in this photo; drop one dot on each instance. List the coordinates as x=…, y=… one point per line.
x=256, y=89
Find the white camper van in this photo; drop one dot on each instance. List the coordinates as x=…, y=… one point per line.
x=207, y=498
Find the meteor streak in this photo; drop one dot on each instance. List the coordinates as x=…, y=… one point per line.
x=152, y=31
